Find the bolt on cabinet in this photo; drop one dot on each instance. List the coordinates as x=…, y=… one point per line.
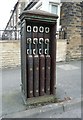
x=38, y=53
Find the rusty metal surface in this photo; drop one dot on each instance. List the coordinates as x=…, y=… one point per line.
x=38, y=53
x=38, y=15
x=53, y=59
x=47, y=74
x=23, y=59
x=42, y=75
x=30, y=76
x=36, y=76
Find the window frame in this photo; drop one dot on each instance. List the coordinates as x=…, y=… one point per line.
x=53, y=4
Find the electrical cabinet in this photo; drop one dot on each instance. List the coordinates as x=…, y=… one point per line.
x=38, y=53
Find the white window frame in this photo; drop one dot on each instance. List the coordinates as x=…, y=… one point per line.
x=55, y=4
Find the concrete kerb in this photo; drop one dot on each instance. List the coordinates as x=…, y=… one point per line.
x=72, y=104
x=57, y=107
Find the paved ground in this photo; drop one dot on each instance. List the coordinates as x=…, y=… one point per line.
x=74, y=113
x=68, y=88
x=69, y=80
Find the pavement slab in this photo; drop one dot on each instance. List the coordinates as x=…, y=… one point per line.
x=68, y=87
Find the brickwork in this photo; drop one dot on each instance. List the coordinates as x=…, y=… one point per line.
x=61, y=49
x=82, y=19
x=10, y=52
x=82, y=31
x=71, y=22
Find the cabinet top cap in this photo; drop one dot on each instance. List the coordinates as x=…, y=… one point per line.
x=38, y=15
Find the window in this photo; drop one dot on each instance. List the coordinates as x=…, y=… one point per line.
x=54, y=9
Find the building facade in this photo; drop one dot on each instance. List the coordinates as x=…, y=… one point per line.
x=72, y=24
x=69, y=23
x=51, y=6
x=12, y=30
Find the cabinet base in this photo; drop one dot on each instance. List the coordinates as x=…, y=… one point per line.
x=39, y=100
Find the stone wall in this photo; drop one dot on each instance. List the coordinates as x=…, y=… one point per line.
x=71, y=23
x=82, y=18
x=61, y=48
x=10, y=52
x=82, y=31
